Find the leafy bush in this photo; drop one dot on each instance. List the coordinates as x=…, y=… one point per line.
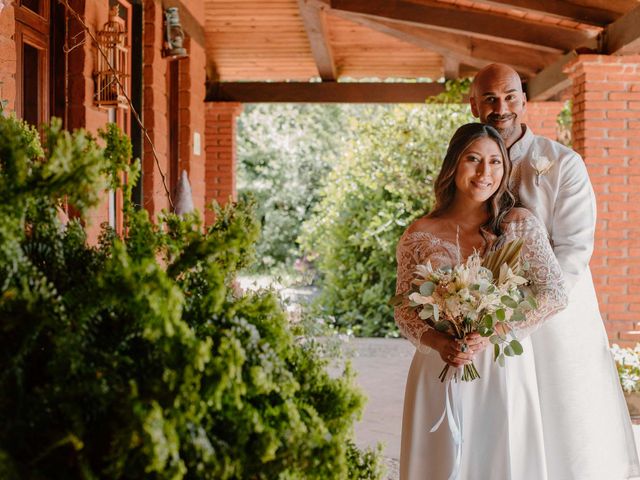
x=284, y=154
x=383, y=182
x=135, y=359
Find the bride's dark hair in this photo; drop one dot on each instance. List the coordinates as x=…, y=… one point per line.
x=499, y=204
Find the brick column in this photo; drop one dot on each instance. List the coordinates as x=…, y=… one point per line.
x=192, y=120
x=154, y=111
x=542, y=117
x=606, y=132
x=7, y=57
x=220, y=175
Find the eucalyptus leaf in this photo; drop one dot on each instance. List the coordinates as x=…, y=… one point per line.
x=500, y=315
x=532, y=301
x=484, y=331
x=508, y=350
x=427, y=288
x=496, y=351
x=518, y=316
x=516, y=346
x=508, y=301
x=501, y=360
x=442, y=326
x=488, y=321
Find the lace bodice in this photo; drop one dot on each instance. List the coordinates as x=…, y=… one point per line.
x=545, y=274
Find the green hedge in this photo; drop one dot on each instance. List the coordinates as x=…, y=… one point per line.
x=135, y=359
x=382, y=183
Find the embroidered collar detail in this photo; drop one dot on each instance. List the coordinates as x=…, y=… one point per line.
x=522, y=146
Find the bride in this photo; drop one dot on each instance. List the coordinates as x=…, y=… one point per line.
x=500, y=423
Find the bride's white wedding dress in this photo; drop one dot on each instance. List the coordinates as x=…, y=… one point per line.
x=503, y=431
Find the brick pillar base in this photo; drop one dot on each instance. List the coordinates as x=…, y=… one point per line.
x=220, y=140
x=606, y=132
x=542, y=118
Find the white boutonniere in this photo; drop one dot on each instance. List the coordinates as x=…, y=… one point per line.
x=541, y=165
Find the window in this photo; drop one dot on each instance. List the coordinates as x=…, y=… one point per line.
x=32, y=60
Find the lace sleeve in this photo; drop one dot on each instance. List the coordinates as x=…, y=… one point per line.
x=410, y=325
x=545, y=274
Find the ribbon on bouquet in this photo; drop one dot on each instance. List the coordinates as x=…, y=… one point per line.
x=453, y=413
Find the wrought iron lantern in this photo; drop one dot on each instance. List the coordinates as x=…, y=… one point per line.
x=113, y=71
x=174, y=41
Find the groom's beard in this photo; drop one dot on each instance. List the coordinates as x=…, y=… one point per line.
x=505, y=132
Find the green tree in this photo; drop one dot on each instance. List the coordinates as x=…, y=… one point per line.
x=380, y=185
x=284, y=153
x=135, y=358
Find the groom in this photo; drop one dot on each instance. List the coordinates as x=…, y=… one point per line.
x=587, y=432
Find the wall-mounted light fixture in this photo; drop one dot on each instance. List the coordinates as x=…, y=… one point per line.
x=174, y=41
x=113, y=71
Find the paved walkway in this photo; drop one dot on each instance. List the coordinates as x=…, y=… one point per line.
x=382, y=365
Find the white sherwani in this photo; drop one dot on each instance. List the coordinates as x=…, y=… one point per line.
x=586, y=425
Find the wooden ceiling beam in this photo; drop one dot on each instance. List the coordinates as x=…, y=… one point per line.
x=465, y=49
x=584, y=14
x=314, y=23
x=321, y=92
x=550, y=81
x=450, y=67
x=622, y=37
x=484, y=24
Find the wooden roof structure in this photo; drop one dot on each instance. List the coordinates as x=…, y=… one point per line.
x=401, y=50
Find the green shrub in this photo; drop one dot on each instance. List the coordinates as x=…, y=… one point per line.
x=135, y=359
x=382, y=183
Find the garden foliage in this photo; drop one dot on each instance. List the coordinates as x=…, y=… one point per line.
x=284, y=154
x=380, y=185
x=134, y=358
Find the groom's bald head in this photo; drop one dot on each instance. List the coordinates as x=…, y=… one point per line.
x=498, y=100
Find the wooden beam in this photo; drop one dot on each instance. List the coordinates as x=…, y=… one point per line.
x=585, y=14
x=479, y=23
x=450, y=67
x=622, y=37
x=314, y=24
x=463, y=48
x=551, y=80
x=320, y=92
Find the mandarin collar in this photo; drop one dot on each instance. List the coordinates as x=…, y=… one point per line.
x=522, y=145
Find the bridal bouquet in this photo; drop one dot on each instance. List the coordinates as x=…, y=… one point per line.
x=479, y=295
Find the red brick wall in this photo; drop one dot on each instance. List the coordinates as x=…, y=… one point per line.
x=606, y=132
x=542, y=118
x=221, y=152
x=7, y=56
x=81, y=111
x=192, y=90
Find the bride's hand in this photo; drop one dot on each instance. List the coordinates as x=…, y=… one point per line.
x=476, y=343
x=449, y=348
